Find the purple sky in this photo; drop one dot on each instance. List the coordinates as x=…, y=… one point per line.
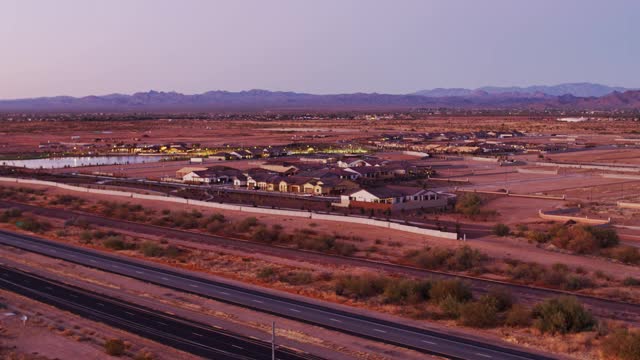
x=81, y=47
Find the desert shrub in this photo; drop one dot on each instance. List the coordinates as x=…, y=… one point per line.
x=518, y=316
x=578, y=282
x=605, y=236
x=583, y=239
x=263, y=234
x=479, y=314
x=624, y=253
x=454, y=288
x=538, y=236
x=296, y=278
x=500, y=230
x=406, y=291
x=562, y=315
x=9, y=214
x=526, y=272
x=86, y=236
x=450, y=307
x=468, y=204
x=116, y=242
x=360, y=287
x=344, y=248
x=151, y=249
x=622, y=345
x=114, y=347
x=500, y=298
x=214, y=227
x=461, y=259
x=323, y=243
x=144, y=355
x=124, y=211
x=267, y=273
x=630, y=281
x=172, y=252
x=465, y=258
x=33, y=225
x=247, y=224
x=78, y=222
x=68, y=200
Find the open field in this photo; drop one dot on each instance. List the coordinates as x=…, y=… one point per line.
x=578, y=192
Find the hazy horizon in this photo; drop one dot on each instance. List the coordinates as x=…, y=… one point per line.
x=79, y=48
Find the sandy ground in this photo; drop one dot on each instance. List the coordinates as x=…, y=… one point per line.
x=319, y=341
x=50, y=333
x=495, y=247
x=301, y=336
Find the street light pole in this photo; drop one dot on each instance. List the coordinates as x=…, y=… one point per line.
x=273, y=340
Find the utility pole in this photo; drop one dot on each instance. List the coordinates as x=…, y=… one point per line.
x=273, y=340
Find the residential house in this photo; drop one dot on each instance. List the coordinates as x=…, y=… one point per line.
x=394, y=198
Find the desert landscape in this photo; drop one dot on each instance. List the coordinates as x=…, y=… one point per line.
x=259, y=180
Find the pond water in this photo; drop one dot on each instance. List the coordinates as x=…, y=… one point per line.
x=56, y=163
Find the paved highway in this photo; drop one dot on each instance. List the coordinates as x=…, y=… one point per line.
x=196, y=338
x=423, y=340
x=527, y=294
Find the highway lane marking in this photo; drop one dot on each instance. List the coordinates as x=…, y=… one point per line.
x=429, y=342
x=48, y=287
x=100, y=304
x=237, y=347
x=294, y=310
x=93, y=261
x=139, y=272
x=164, y=278
x=130, y=313
x=193, y=285
x=115, y=266
x=484, y=355
x=161, y=323
x=335, y=320
x=72, y=295
x=224, y=293
x=196, y=334
x=380, y=331
x=258, y=301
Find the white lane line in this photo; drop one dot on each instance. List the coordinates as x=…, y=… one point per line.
x=196, y=334
x=193, y=285
x=294, y=310
x=224, y=293
x=48, y=287
x=380, y=331
x=257, y=301
x=73, y=296
x=484, y=355
x=53, y=251
x=139, y=272
x=429, y=342
x=237, y=347
x=161, y=323
x=335, y=320
x=100, y=304
x=93, y=261
x=71, y=255
x=130, y=313
x=164, y=278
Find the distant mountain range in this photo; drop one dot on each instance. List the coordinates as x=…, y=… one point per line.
x=566, y=96
x=575, y=89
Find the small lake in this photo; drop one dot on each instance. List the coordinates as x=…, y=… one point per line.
x=57, y=163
